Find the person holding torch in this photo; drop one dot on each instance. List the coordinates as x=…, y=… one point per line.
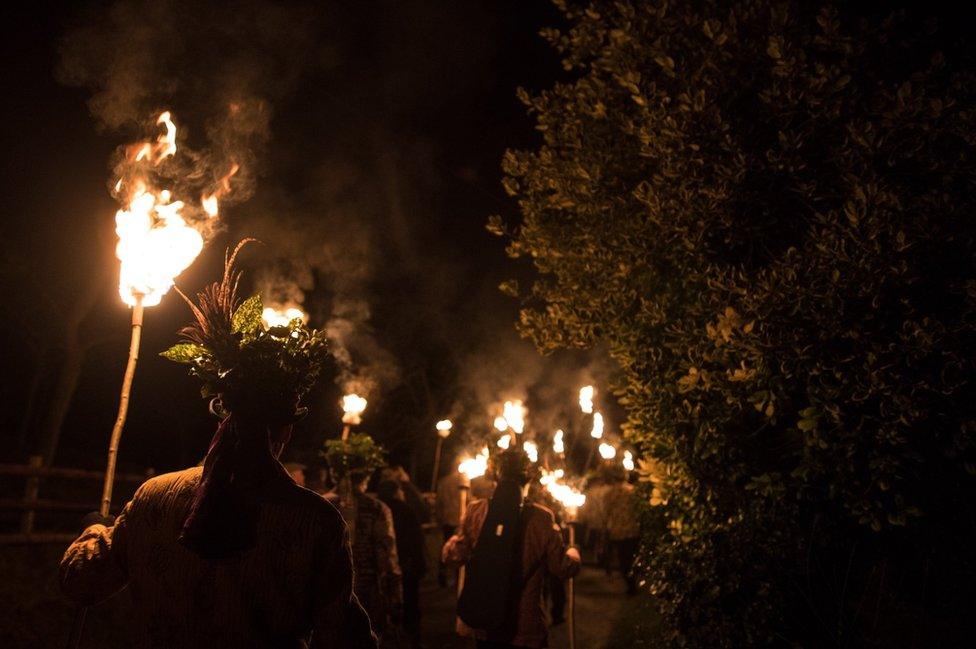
x=233, y=553
x=508, y=546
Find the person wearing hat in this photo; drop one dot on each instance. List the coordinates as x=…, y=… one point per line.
x=233, y=553
x=509, y=547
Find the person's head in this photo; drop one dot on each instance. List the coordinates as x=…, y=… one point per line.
x=511, y=465
x=388, y=490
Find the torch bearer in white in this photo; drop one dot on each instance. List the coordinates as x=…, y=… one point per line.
x=443, y=428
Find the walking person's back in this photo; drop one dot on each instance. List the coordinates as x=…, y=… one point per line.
x=233, y=554
x=296, y=579
x=537, y=552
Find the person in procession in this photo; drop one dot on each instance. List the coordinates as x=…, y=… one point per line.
x=233, y=553
x=509, y=547
x=447, y=510
x=378, y=584
x=411, y=551
x=622, y=527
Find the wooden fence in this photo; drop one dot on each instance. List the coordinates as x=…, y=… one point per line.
x=31, y=503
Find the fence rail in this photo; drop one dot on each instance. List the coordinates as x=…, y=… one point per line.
x=34, y=472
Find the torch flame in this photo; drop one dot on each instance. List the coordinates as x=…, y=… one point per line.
x=607, y=451
x=586, y=399
x=531, y=450
x=597, y=431
x=513, y=416
x=628, y=461
x=474, y=467
x=444, y=427
x=281, y=317
x=353, y=406
x=157, y=241
x=570, y=498
x=504, y=442
x=558, y=446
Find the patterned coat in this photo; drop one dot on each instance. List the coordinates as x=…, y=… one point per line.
x=378, y=583
x=294, y=587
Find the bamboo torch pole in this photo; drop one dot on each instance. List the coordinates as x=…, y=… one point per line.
x=463, y=491
x=130, y=370
x=78, y=625
x=571, y=593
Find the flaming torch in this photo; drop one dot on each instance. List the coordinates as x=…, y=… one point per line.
x=443, y=428
x=558, y=445
x=353, y=407
x=156, y=243
x=571, y=500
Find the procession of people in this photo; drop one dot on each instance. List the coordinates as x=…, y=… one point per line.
x=245, y=551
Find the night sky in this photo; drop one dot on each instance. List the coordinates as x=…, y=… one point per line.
x=381, y=167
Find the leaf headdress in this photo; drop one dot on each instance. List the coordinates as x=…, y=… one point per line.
x=239, y=361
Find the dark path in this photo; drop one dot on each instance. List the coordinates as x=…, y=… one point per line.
x=600, y=605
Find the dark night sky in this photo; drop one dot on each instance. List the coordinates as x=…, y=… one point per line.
x=383, y=165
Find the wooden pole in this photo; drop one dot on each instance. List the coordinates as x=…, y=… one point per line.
x=462, y=510
x=571, y=593
x=437, y=464
x=30, y=495
x=130, y=370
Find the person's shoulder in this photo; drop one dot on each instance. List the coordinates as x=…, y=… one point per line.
x=177, y=481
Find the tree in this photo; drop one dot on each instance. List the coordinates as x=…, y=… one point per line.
x=764, y=212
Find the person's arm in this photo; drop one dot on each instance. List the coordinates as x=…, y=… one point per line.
x=93, y=567
x=340, y=621
x=458, y=548
x=561, y=562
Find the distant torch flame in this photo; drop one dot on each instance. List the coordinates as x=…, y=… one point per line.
x=281, y=317
x=474, y=467
x=504, y=442
x=607, y=451
x=512, y=417
x=531, y=450
x=444, y=427
x=353, y=406
x=628, y=460
x=597, y=431
x=157, y=240
x=586, y=399
x=566, y=495
x=558, y=446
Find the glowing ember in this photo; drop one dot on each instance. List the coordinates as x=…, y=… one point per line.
x=597, y=431
x=531, y=450
x=280, y=317
x=557, y=442
x=628, y=460
x=444, y=427
x=474, y=467
x=504, y=442
x=586, y=399
x=607, y=451
x=353, y=406
x=157, y=240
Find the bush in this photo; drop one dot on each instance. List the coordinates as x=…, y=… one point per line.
x=766, y=214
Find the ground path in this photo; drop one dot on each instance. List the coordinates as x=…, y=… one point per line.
x=601, y=605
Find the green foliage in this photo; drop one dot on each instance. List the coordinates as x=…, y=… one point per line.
x=764, y=212
x=358, y=453
x=262, y=371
